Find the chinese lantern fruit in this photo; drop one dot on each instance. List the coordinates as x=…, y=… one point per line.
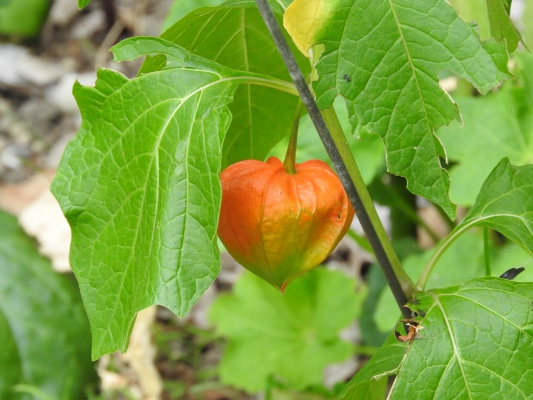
x=280, y=225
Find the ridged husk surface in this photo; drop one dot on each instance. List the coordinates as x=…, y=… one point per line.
x=280, y=225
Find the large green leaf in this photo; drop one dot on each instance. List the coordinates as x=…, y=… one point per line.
x=235, y=36
x=500, y=123
x=477, y=343
x=44, y=332
x=292, y=336
x=139, y=186
x=371, y=382
x=180, y=8
x=467, y=248
x=11, y=371
x=384, y=57
x=505, y=204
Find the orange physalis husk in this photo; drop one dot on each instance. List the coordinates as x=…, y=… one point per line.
x=280, y=225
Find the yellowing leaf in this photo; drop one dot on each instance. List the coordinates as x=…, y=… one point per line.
x=303, y=19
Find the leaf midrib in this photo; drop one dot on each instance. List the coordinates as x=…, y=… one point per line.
x=411, y=64
x=461, y=360
x=456, y=351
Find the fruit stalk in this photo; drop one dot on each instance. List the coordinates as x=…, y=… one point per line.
x=290, y=157
x=280, y=225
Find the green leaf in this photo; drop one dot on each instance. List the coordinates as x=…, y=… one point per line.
x=505, y=204
x=10, y=365
x=501, y=26
x=477, y=343
x=23, y=18
x=449, y=270
x=367, y=390
x=384, y=57
x=236, y=37
x=293, y=336
x=139, y=186
x=371, y=382
x=44, y=332
x=83, y=3
x=180, y=8
x=500, y=123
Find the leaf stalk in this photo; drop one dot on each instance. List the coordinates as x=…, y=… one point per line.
x=342, y=159
x=440, y=250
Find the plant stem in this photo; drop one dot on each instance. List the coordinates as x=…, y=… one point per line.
x=290, y=157
x=486, y=242
x=374, y=230
x=342, y=159
x=273, y=83
x=439, y=251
